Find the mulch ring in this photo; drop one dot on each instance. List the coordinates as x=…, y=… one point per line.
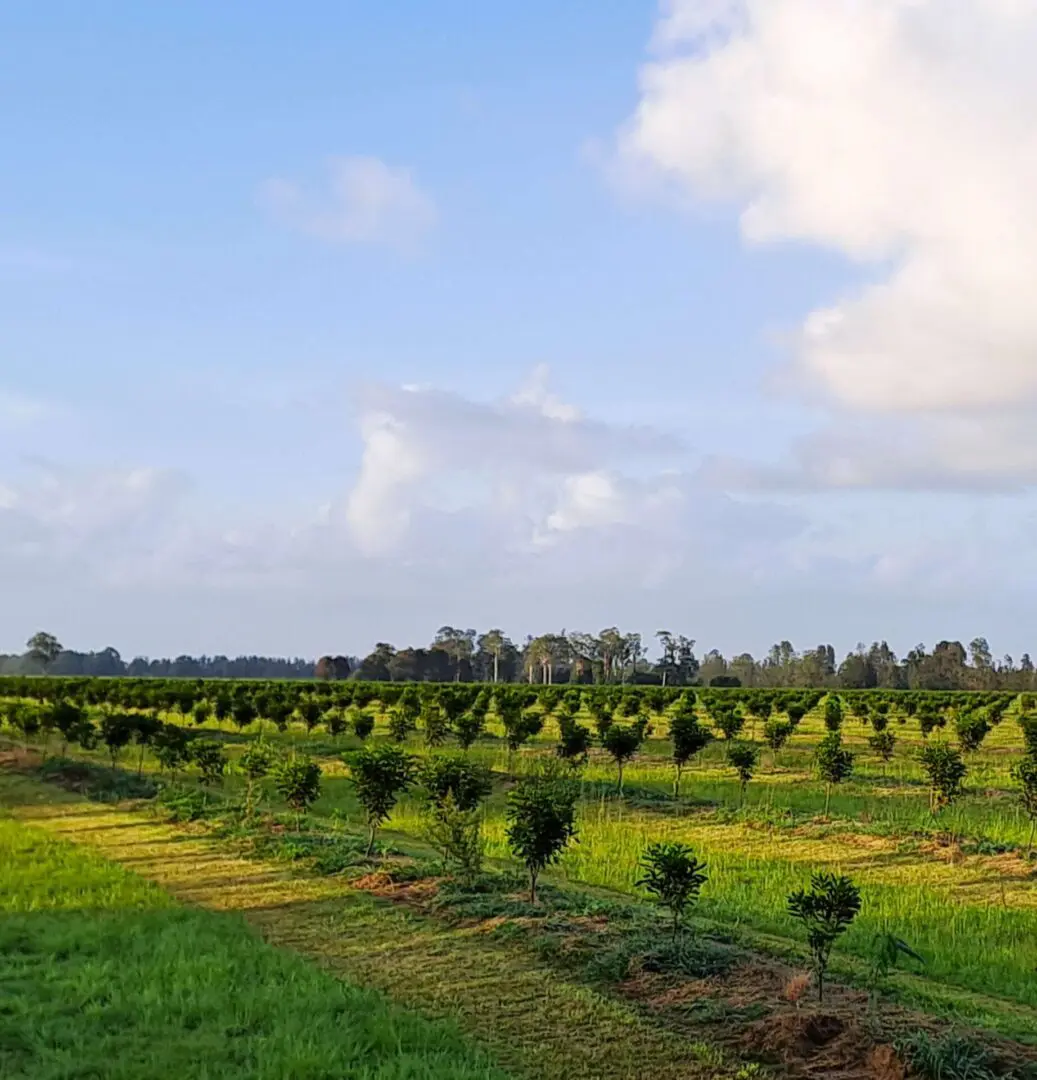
x=381, y=883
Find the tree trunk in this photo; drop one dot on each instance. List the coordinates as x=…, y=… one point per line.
x=677, y=782
x=828, y=798
x=619, y=765
x=1029, y=843
x=496, y=660
x=140, y=762
x=370, y=841
x=533, y=886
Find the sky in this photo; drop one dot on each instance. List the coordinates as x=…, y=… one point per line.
x=333, y=325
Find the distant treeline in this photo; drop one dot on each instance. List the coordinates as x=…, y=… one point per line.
x=108, y=662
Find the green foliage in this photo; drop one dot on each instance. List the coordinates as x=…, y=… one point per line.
x=172, y=748
x=401, y=723
x=833, y=713
x=688, y=737
x=116, y=733
x=363, y=724
x=674, y=876
x=777, y=732
x=622, y=743
x=729, y=722
x=949, y=1057
x=541, y=820
x=946, y=773
x=454, y=776
x=1024, y=773
x=574, y=741
x=456, y=833
x=833, y=763
x=826, y=910
x=243, y=713
x=380, y=774
x=435, y=722
x=209, y=758
x=469, y=726
x=882, y=744
x=520, y=725
x=297, y=781
x=743, y=758
x=254, y=764
x=971, y=729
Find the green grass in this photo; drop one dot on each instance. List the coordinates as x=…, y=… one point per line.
x=104, y=975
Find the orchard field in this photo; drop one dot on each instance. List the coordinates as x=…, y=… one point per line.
x=924, y=802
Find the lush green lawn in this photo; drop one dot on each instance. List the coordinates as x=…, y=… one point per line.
x=102, y=975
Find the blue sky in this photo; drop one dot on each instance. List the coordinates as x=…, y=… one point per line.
x=581, y=237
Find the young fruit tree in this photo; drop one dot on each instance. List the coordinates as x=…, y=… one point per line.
x=688, y=737
x=971, y=729
x=1025, y=775
x=469, y=726
x=833, y=713
x=729, y=723
x=116, y=733
x=882, y=744
x=946, y=773
x=297, y=781
x=454, y=787
x=380, y=774
x=776, y=733
x=574, y=741
x=210, y=759
x=363, y=724
x=145, y=728
x=172, y=748
x=541, y=820
x=673, y=875
x=254, y=764
x=826, y=910
x=520, y=725
x=743, y=758
x=834, y=764
x=622, y=743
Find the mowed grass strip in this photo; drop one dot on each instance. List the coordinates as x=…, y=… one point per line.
x=534, y=1023
x=102, y=974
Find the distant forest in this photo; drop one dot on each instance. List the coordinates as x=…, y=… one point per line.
x=610, y=656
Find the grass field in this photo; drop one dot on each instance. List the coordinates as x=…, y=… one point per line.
x=960, y=889
x=102, y=974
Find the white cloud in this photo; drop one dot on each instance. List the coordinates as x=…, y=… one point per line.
x=366, y=202
x=900, y=133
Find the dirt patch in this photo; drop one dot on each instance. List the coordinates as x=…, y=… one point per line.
x=18, y=759
x=381, y=883
x=807, y=1043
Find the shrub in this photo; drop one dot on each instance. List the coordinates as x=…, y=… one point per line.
x=454, y=776
x=520, y=725
x=145, y=728
x=380, y=774
x=400, y=723
x=541, y=820
x=116, y=733
x=674, y=876
x=971, y=729
x=833, y=713
x=729, y=723
x=826, y=910
x=172, y=748
x=469, y=726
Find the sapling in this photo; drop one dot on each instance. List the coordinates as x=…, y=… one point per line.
x=776, y=733
x=297, y=781
x=380, y=774
x=243, y=713
x=743, y=758
x=145, y=728
x=946, y=772
x=172, y=748
x=971, y=729
x=882, y=744
x=674, y=876
x=454, y=788
x=689, y=737
x=574, y=741
x=1024, y=773
x=622, y=743
x=541, y=820
x=469, y=726
x=363, y=724
x=833, y=713
x=201, y=713
x=254, y=764
x=116, y=733
x=729, y=723
x=210, y=759
x=435, y=722
x=834, y=764
x=400, y=723
x=826, y=910
x=520, y=725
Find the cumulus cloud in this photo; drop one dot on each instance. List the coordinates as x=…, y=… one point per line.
x=366, y=201
x=900, y=133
